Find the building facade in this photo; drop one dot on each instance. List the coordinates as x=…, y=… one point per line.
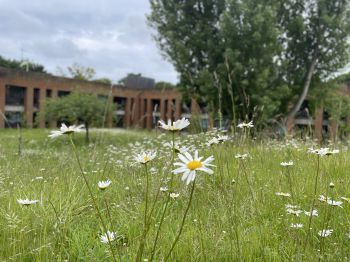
x=23, y=95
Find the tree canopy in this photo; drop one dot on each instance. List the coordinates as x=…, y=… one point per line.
x=84, y=108
x=252, y=58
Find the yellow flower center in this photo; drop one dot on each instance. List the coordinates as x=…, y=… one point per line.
x=194, y=164
x=146, y=158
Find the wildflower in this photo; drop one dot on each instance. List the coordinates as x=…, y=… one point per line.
x=325, y=232
x=174, y=195
x=64, y=130
x=296, y=225
x=323, y=151
x=213, y=141
x=222, y=138
x=323, y=198
x=239, y=156
x=104, y=184
x=290, y=163
x=145, y=157
x=190, y=165
x=291, y=206
x=246, y=125
x=331, y=185
x=175, y=126
x=334, y=203
x=282, y=194
x=163, y=189
x=294, y=212
x=108, y=237
x=26, y=202
x=177, y=147
x=314, y=213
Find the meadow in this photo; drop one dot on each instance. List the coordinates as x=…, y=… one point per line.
x=252, y=208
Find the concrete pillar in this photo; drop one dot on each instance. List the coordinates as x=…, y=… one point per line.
x=28, y=105
x=42, y=106
x=54, y=95
x=109, y=116
x=177, y=108
x=162, y=109
x=127, y=114
x=2, y=104
x=170, y=110
x=318, y=124
x=290, y=126
x=149, y=114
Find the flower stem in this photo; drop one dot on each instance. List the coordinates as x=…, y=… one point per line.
x=182, y=223
x=313, y=203
x=92, y=197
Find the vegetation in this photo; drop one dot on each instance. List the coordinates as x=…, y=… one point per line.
x=84, y=108
x=21, y=65
x=235, y=214
x=252, y=59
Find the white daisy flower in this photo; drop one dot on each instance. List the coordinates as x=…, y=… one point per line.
x=296, y=225
x=175, y=126
x=222, y=138
x=290, y=163
x=190, y=165
x=323, y=151
x=334, y=203
x=145, y=157
x=104, y=184
x=282, y=194
x=294, y=212
x=108, y=237
x=174, y=195
x=325, y=232
x=213, y=141
x=27, y=202
x=291, y=206
x=163, y=189
x=246, y=125
x=239, y=156
x=314, y=213
x=64, y=130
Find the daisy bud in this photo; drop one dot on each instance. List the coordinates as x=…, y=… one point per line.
x=331, y=185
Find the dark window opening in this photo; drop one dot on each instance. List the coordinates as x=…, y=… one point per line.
x=63, y=93
x=36, y=97
x=15, y=95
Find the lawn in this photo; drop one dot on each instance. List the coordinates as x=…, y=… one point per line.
x=233, y=214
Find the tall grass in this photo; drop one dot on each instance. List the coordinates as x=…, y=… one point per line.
x=235, y=214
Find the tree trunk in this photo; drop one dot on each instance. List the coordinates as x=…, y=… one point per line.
x=296, y=108
x=87, y=138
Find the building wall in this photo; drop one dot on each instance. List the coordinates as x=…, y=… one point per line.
x=139, y=103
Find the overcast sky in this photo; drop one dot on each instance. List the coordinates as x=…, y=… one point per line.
x=109, y=35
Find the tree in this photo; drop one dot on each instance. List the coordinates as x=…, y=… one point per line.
x=223, y=50
x=164, y=85
x=80, y=72
x=239, y=56
x=316, y=41
x=84, y=108
x=21, y=65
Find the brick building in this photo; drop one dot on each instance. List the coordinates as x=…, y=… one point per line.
x=23, y=94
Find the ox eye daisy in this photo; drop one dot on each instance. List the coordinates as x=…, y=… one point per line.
x=145, y=157
x=189, y=165
x=176, y=125
x=108, y=237
x=27, y=202
x=104, y=184
x=64, y=130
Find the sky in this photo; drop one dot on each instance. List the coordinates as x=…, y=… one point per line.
x=111, y=36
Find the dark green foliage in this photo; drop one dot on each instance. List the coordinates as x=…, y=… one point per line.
x=21, y=65
x=251, y=58
x=83, y=108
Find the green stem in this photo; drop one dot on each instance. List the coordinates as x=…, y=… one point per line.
x=92, y=197
x=313, y=203
x=167, y=200
x=182, y=223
